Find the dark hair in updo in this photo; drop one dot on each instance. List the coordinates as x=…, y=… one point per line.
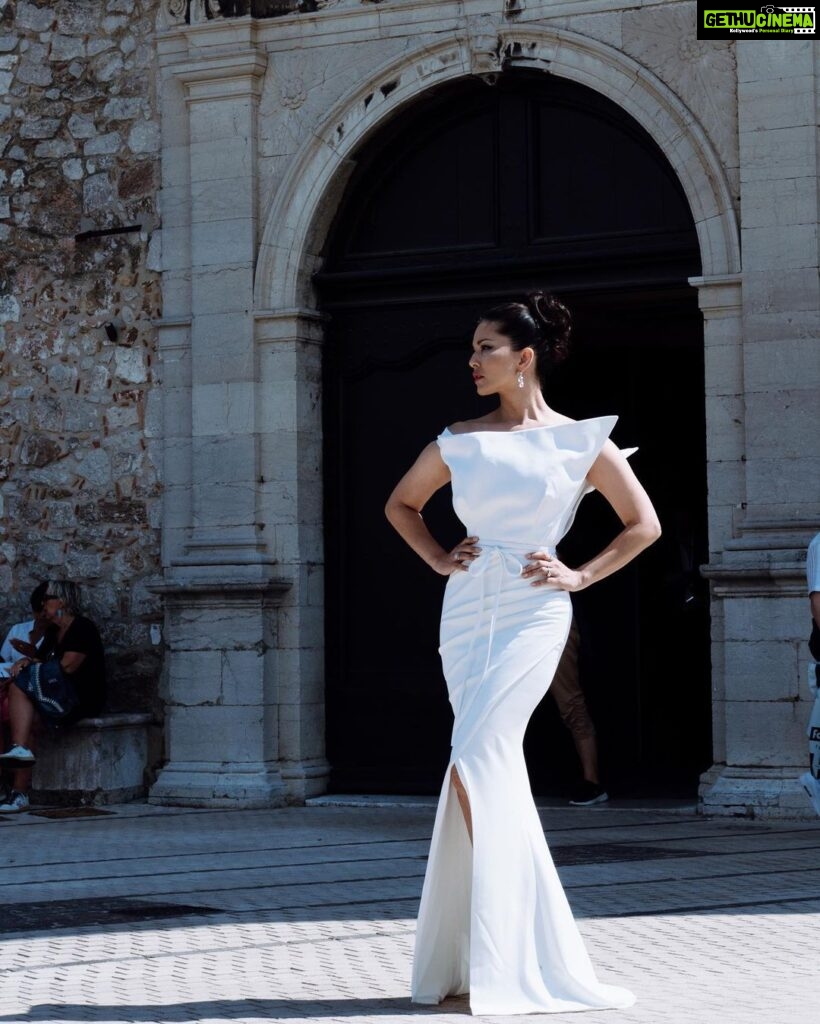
x=539, y=322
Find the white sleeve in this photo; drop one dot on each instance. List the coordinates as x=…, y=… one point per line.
x=7, y=652
x=813, y=565
x=19, y=631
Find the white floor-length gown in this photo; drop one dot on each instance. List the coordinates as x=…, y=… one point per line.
x=494, y=920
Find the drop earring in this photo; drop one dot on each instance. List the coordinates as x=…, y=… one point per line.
x=520, y=379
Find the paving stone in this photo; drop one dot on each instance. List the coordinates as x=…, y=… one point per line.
x=308, y=914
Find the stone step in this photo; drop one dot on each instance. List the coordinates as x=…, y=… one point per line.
x=101, y=760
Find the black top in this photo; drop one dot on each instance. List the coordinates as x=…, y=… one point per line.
x=82, y=637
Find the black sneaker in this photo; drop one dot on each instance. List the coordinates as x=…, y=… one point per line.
x=589, y=793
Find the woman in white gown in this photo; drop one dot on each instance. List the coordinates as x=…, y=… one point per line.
x=494, y=920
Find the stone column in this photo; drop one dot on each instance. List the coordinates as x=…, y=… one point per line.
x=757, y=577
x=290, y=496
x=720, y=302
x=222, y=92
x=222, y=584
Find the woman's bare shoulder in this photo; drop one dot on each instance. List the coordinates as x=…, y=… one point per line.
x=491, y=422
x=467, y=426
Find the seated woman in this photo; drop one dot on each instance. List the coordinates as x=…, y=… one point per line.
x=72, y=688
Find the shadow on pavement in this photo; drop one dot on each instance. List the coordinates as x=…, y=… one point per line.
x=238, y=1009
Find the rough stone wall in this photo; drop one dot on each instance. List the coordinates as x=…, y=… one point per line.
x=79, y=428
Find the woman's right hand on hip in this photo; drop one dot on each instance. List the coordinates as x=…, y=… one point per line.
x=460, y=558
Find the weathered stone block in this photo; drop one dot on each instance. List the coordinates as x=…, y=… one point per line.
x=40, y=451
x=786, y=246
x=123, y=108
x=144, y=137
x=95, y=467
x=780, y=423
x=219, y=505
x=726, y=427
x=209, y=733
x=223, y=289
x=782, y=363
x=102, y=760
x=765, y=733
x=724, y=369
x=755, y=618
x=215, y=626
x=224, y=241
x=301, y=731
x=130, y=365
x=34, y=73
x=34, y=18
x=779, y=61
x=65, y=48
x=78, y=18
x=243, y=677
x=108, y=66
x=220, y=409
x=213, y=160
x=53, y=149
x=138, y=181
x=39, y=127
x=762, y=670
x=197, y=678
x=777, y=154
x=787, y=481
x=102, y=145
x=98, y=194
x=726, y=482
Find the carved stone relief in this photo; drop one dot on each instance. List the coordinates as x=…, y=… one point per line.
x=172, y=12
x=701, y=73
x=484, y=45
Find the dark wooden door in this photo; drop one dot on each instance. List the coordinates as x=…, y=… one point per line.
x=476, y=194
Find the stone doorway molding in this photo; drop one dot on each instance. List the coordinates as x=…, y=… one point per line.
x=276, y=409
x=306, y=201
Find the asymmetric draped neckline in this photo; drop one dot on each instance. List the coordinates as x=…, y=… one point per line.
x=527, y=430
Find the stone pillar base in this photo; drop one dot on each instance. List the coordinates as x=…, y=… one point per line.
x=754, y=793
x=212, y=785
x=305, y=779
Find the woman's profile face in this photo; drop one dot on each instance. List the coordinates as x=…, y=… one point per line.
x=493, y=360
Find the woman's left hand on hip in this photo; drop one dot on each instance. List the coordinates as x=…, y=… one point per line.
x=546, y=570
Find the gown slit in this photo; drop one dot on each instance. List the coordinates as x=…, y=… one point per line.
x=494, y=921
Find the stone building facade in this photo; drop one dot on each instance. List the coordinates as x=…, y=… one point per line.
x=254, y=131
x=80, y=447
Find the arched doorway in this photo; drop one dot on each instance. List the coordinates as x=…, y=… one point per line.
x=474, y=194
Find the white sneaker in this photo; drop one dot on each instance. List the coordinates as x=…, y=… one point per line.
x=19, y=754
x=18, y=802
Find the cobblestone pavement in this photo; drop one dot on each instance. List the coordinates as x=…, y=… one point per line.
x=170, y=915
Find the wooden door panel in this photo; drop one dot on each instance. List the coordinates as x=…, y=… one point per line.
x=456, y=206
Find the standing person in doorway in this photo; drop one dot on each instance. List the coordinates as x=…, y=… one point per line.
x=568, y=694
x=494, y=920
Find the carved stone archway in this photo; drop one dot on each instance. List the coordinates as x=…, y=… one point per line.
x=306, y=200
x=304, y=204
